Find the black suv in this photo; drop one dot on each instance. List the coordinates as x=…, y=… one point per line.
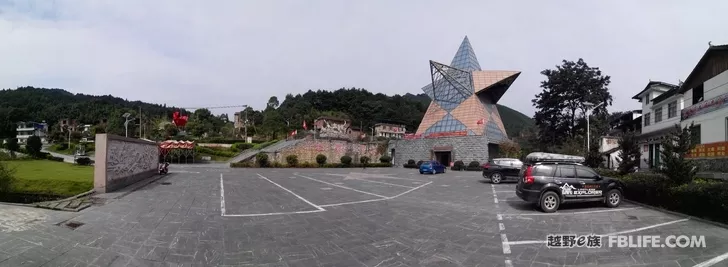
x=502, y=169
x=551, y=179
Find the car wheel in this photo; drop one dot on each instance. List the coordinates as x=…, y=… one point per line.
x=496, y=178
x=549, y=202
x=434, y=171
x=613, y=198
x=422, y=172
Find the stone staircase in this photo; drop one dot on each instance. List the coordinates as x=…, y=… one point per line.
x=245, y=155
x=249, y=153
x=281, y=145
x=74, y=203
x=66, y=204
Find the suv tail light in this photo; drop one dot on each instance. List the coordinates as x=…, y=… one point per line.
x=486, y=166
x=528, y=177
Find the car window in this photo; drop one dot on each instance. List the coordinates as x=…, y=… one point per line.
x=565, y=171
x=584, y=172
x=543, y=170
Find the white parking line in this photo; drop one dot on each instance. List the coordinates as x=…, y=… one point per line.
x=509, y=263
x=644, y=228
x=340, y=186
x=712, y=261
x=526, y=242
x=374, y=200
x=505, y=191
x=501, y=226
x=273, y=213
x=566, y=213
x=289, y=191
x=495, y=195
x=506, y=244
x=365, y=180
x=222, y=197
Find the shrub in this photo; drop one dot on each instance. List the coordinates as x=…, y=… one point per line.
x=308, y=165
x=510, y=149
x=277, y=164
x=346, y=160
x=630, y=152
x=7, y=177
x=262, y=159
x=83, y=161
x=12, y=144
x=458, y=166
x=321, y=159
x=607, y=172
x=215, y=151
x=241, y=165
x=364, y=160
x=33, y=146
x=386, y=159
x=241, y=146
x=675, y=147
x=474, y=163
x=51, y=157
x=292, y=160
x=412, y=162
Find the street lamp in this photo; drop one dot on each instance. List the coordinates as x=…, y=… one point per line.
x=588, y=112
x=128, y=118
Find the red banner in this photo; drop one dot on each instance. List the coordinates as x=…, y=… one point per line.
x=447, y=134
x=711, y=150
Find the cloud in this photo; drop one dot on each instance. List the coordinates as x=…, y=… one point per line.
x=198, y=53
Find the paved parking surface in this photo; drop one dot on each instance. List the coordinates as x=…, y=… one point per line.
x=215, y=216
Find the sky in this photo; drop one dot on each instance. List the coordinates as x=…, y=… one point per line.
x=189, y=53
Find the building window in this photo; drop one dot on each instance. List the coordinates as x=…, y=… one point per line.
x=695, y=133
x=672, y=109
x=658, y=115
x=647, y=119
x=698, y=94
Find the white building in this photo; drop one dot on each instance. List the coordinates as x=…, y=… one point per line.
x=609, y=145
x=706, y=102
x=27, y=129
x=661, y=105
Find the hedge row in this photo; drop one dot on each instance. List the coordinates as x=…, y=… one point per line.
x=704, y=198
x=310, y=165
x=215, y=152
x=227, y=141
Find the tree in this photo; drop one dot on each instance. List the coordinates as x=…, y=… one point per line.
x=566, y=92
x=629, y=154
x=273, y=123
x=510, y=149
x=593, y=157
x=33, y=146
x=273, y=102
x=675, y=147
x=12, y=144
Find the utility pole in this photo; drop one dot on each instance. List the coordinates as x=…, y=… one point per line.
x=140, y=122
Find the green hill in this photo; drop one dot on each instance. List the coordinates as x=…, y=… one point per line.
x=362, y=107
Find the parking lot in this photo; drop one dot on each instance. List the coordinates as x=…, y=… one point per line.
x=213, y=216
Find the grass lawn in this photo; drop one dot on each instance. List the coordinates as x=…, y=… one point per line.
x=51, y=177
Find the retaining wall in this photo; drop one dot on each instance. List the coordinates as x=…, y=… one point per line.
x=121, y=161
x=333, y=150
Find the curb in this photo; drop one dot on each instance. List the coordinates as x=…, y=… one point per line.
x=677, y=214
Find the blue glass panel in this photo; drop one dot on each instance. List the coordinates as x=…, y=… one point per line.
x=447, y=124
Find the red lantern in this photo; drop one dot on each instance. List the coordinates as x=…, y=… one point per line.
x=179, y=121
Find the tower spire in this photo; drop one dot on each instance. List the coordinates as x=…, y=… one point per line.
x=465, y=58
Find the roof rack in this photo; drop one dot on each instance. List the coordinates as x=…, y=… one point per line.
x=551, y=157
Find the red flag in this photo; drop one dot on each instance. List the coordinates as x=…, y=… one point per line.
x=304, y=125
x=481, y=121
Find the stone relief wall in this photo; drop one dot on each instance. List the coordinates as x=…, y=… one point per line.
x=125, y=159
x=121, y=161
x=332, y=149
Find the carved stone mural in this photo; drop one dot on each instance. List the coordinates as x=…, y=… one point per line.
x=121, y=161
x=126, y=159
